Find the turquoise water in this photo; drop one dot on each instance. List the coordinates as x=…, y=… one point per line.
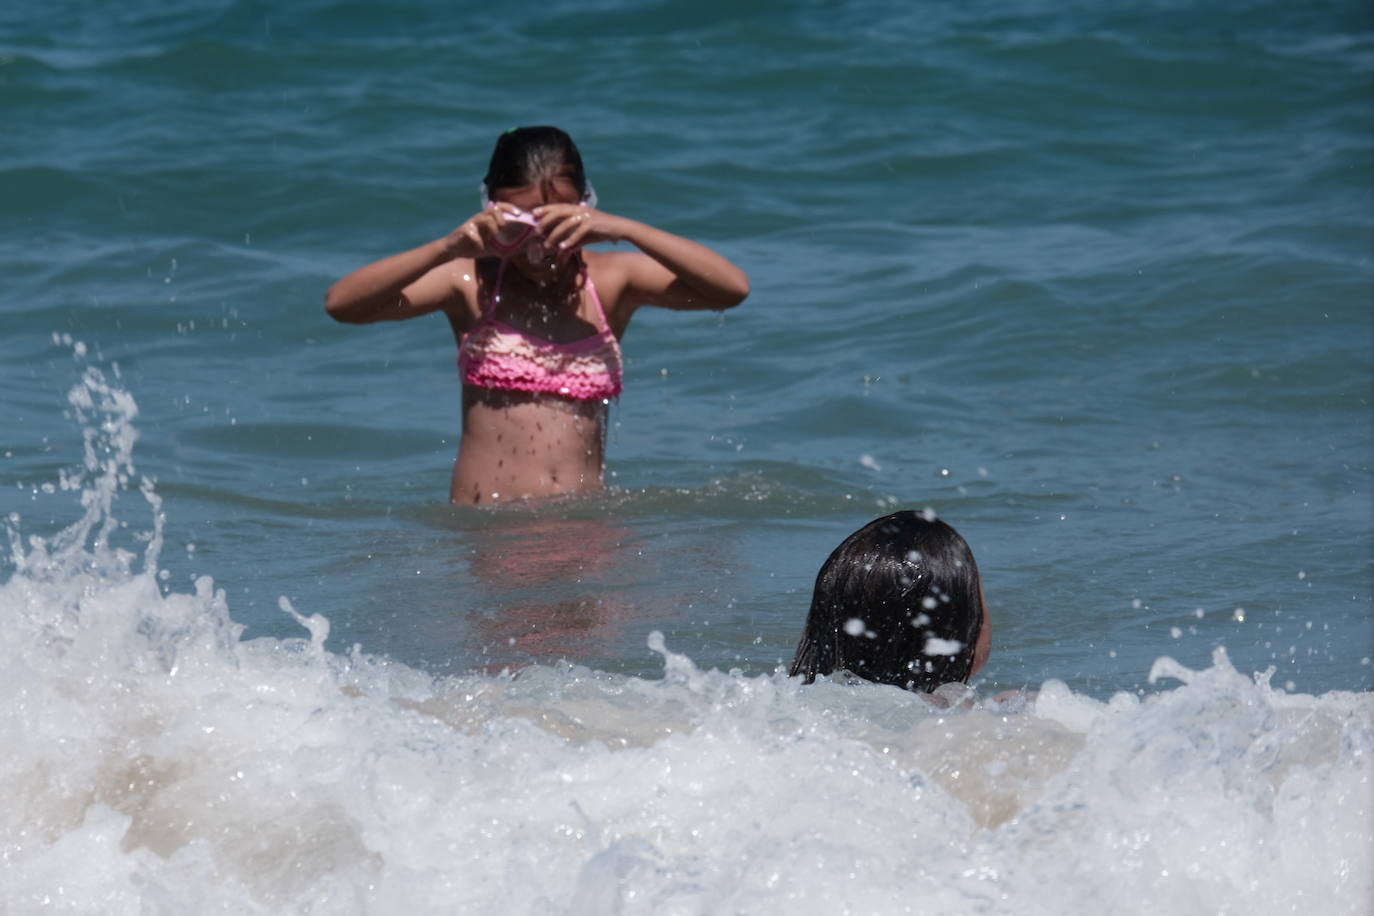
x=1094, y=285
x=1093, y=281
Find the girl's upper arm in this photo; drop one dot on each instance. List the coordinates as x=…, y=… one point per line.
x=437, y=289
x=647, y=282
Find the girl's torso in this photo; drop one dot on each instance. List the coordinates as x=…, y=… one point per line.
x=538, y=377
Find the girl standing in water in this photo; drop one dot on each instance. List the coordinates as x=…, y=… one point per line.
x=537, y=318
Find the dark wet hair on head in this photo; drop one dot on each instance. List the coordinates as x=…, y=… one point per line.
x=888, y=590
x=532, y=155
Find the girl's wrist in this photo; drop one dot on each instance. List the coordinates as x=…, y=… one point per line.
x=625, y=230
x=448, y=247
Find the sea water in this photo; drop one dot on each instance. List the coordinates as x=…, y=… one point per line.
x=161, y=763
x=1091, y=281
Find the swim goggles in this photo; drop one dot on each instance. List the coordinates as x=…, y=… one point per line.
x=519, y=228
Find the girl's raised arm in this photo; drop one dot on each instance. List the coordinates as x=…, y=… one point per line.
x=414, y=282
x=681, y=273
x=402, y=286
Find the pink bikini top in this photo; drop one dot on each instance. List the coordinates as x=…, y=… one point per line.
x=495, y=355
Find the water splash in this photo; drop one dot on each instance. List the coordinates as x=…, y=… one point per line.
x=105, y=414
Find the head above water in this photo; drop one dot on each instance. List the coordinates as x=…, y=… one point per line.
x=537, y=157
x=899, y=602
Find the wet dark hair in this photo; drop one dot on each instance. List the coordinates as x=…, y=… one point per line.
x=531, y=155
x=889, y=587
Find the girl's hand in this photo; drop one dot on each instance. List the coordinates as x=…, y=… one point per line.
x=567, y=227
x=473, y=238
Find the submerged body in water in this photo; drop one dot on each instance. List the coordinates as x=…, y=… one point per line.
x=899, y=602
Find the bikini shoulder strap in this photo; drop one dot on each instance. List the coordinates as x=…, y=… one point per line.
x=600, y=309
x=488, y=303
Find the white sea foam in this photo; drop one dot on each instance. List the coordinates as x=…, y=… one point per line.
x=158, y=764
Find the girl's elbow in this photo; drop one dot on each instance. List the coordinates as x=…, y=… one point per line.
x=732, y=293
x=738, y=294
x=336, y=307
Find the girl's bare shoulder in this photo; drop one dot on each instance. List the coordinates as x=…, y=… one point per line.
x=461, y=281
x=613, y=272
x=614, y=265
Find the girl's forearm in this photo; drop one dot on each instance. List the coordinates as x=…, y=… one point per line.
x=719, y=282
x=370, y=293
